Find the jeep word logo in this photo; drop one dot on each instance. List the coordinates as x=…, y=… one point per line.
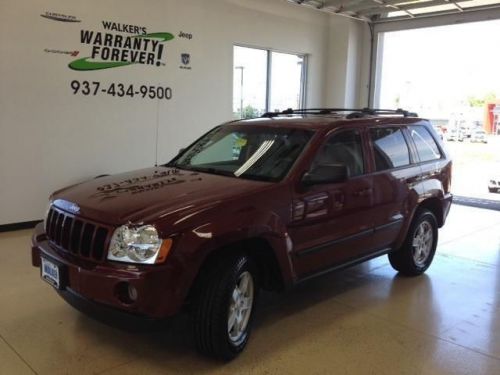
x=182, y=34
x=59, y=17
x=113, y=50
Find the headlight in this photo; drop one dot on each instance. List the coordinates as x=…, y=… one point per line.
x=138, y=245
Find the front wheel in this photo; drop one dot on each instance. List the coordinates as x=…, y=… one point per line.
x=223, y=310
x=418, y=250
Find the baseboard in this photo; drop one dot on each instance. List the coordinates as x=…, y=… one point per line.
x=19, y=226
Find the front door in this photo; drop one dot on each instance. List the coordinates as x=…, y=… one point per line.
x=332, y=223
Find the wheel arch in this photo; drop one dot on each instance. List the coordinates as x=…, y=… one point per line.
x=435, y=206
x=272, y=276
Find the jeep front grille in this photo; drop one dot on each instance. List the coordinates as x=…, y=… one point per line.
x=76, y=236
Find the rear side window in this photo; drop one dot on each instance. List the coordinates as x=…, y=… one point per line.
x=426, y=145
x=390, y=148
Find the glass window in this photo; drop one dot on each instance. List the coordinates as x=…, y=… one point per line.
x=249, y=82
x=426, y=145
x=254, y=92
x=343, y=148
x=390, y=148
x=258, y=153
x=286, y=81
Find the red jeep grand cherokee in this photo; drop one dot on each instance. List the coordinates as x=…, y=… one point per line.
x=262, y=203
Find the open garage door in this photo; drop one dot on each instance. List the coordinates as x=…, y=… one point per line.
x=450, y=74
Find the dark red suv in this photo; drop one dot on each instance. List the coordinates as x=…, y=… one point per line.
x=261, y=203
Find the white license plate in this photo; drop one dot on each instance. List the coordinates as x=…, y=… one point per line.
x=50, y=273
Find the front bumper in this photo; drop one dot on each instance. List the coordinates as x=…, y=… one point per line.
x=101, y=284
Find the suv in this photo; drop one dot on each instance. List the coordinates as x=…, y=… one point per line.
x=261, y=203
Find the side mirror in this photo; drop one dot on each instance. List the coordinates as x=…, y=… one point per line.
x=181, y=151
x=326, y=174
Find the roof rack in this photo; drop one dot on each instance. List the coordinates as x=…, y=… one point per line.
x=354, y=113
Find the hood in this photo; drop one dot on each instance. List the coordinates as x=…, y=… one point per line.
x=146, y=195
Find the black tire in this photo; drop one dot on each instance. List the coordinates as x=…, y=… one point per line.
x=492, y=190
x=403, y=260
x=212, y=304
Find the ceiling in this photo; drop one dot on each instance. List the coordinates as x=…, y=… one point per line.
x=383, y=10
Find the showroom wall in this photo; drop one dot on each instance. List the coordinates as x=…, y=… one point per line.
x=63, y=121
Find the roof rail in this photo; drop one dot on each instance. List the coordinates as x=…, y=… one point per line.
x=354, y=113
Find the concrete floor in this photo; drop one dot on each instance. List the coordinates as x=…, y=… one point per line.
x=365, y=320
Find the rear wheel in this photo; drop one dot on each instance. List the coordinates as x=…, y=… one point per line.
x=417, y=252
x=223, y=310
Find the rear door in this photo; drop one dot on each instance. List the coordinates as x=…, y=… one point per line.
x=332, y=223
x=396, y=183
x=433, y=164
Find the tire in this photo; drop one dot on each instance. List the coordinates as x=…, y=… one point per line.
x=491, y=190
x=419, y=247
x=217, y=302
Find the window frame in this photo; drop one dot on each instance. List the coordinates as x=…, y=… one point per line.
x=269, y=61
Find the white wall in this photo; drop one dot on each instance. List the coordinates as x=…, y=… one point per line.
x=50, y=138
x=347, y=63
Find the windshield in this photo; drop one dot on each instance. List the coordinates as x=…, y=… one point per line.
x=259, y=153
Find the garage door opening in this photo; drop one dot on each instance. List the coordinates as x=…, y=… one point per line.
x=450, y=75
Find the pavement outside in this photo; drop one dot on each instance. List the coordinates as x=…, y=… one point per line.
x=474, y=164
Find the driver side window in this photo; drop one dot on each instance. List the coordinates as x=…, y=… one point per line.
x=342, y=148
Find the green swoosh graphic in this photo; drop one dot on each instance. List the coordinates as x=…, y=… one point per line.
x=84, y=64
x=164, y=36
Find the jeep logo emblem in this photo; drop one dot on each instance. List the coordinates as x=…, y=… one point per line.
x=73, y=207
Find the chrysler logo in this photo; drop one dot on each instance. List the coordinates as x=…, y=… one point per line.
x=59, y=17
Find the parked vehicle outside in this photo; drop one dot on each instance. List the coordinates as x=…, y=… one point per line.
x=479, y=136
x=453, y=135
x=253, y=204
x=494, y=184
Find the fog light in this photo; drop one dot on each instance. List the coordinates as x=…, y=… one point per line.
x=132, y=293
x=126, y=293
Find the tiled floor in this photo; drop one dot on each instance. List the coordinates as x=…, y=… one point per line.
x=365, y=320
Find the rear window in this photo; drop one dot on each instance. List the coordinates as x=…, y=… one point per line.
x=426, y=145
x=390, y=148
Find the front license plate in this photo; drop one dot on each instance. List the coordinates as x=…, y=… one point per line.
x=51, y=273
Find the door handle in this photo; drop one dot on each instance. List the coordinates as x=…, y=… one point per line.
x=362, y=192
x=412, y=180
